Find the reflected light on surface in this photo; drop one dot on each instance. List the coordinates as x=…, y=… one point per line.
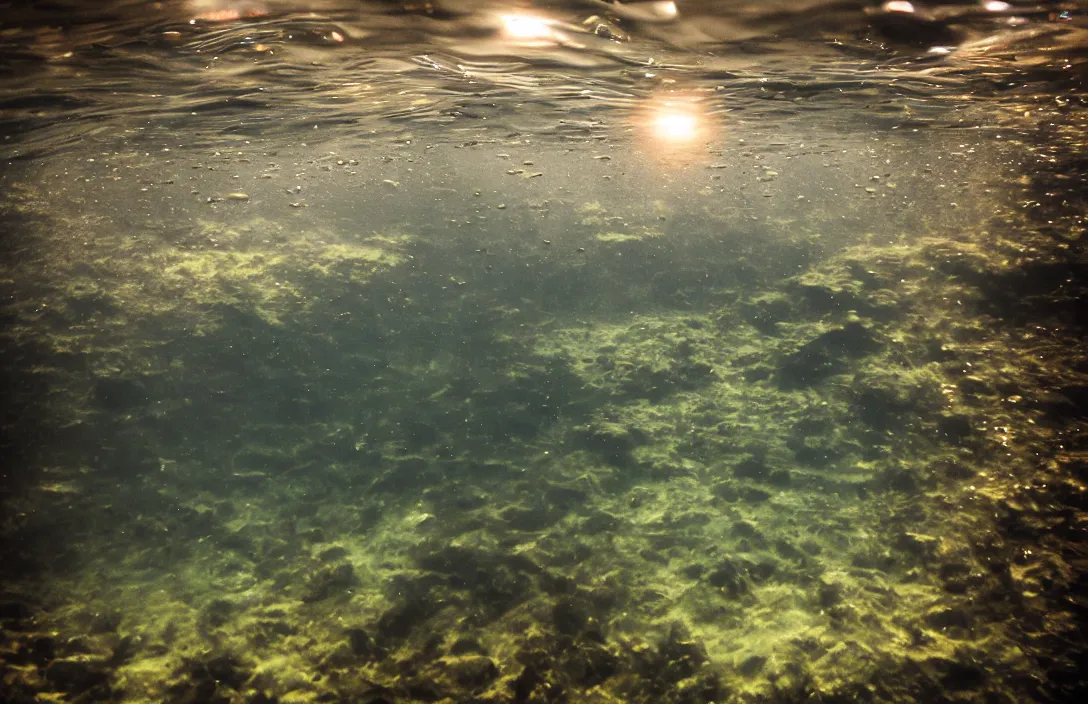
x=675, y=125
x=675, y=121
x=526, y=27
x=996, y=6
x=898, y=6
x=667, y=10
x=658, y=11
x=224, y=10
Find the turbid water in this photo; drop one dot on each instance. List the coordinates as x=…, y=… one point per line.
x=572, y=352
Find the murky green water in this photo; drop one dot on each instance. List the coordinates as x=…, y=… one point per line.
x=581, y=353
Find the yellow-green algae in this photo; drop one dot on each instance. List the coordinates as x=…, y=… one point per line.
x=679, y=400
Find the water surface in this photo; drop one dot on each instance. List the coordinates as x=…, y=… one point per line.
x=577, y=352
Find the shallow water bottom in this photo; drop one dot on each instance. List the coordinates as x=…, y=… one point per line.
x=577, y=461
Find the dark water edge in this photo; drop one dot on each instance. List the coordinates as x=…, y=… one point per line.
x=410, y=419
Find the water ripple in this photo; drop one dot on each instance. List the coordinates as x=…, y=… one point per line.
x=213, y=67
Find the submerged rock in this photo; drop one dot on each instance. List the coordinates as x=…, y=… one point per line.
x=815, y=442
x=883, y=403
x=766, y=312
x=826, y=355
x=204, y=681
x=613, y=442
x=531, y=518
x=467, y=645
x=39, y=651
x=902, y=479
x=954, y=617
x=954, y=429
x=329, y=581
x=361, y=643
x=752, y=665
x=472, y=671
x=750, y=468
x=730, y=578
x=956, y=675
x=572, y=615
x=13, y=612
x=683, y=656
x=217, y=613
x=74, y=675
x=829, y=595
x=118, y=395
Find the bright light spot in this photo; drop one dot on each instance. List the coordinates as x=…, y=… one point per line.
x=940, y=50
x=666, y=9
x=224, y=10
x=526, y=27
x=672, y=125
x=676, y=125
x=898, y=6
x=336, y=36
x=219, y=15
x=996, y=6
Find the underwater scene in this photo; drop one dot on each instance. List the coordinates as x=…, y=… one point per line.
x=572, y=352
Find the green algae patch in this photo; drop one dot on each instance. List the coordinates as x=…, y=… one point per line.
x=152, y=281
x=592, y=214
x=621, y=237
x=280, y=280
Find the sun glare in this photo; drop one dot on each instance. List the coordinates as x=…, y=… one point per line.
x=675, y=120
x=527, y=27
x=899, y=6
x=675, y=126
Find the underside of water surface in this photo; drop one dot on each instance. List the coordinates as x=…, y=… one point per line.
x=596, y=355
